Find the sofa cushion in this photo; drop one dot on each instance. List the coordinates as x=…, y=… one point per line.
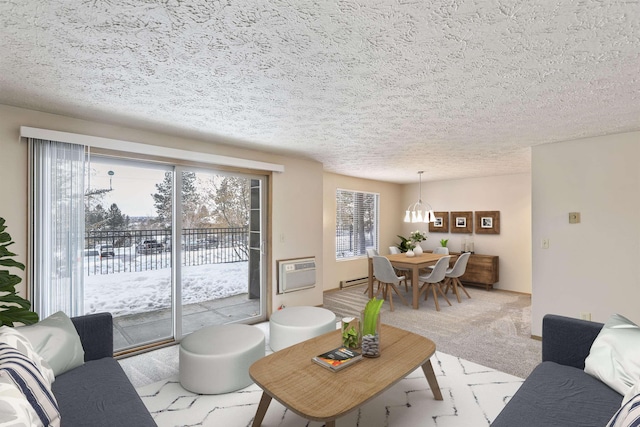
x=613, y=358
x=560, y=396
x=56, y=340
x=99, y=394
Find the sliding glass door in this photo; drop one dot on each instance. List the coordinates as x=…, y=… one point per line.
x=170, y=249
x=218, y=245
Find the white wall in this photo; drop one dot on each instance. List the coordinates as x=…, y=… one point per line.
x=296, y=215
x=592, y=266
x=390, y=225
x=509, y=194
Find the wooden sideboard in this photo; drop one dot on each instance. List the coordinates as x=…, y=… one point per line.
x=482, y=270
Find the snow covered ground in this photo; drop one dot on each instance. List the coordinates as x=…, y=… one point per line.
x=143, y=291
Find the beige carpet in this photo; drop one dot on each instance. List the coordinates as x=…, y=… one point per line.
x=493, y=328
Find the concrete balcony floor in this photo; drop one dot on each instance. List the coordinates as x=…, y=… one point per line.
x=145, y=328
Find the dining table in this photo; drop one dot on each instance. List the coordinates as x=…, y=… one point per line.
x=415, y=263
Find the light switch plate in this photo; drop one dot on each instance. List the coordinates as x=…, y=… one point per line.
x=574, y=217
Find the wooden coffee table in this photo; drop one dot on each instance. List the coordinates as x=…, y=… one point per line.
x=317, y=394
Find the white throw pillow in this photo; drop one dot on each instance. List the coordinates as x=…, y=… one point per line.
x=27, y=377
x=614, y=357
x=15, y=410
x=15, y=339
x=628, y=415
x=56, y=340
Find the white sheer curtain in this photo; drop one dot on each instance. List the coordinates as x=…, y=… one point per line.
x=57, y=226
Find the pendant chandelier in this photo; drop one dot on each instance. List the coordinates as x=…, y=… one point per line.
x=419, y=211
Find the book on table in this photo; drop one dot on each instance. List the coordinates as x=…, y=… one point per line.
x=338, y=358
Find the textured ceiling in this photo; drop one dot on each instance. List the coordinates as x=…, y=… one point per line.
x=376, y=89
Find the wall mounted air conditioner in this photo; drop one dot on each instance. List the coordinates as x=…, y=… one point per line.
x=296, y=274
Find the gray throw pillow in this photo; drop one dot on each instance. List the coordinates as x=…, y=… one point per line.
x=56, y=340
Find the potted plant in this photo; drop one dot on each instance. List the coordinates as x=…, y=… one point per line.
x=443, y=242
x=13, y=308
x=405, y=244
x=371, y=328
x=417, y=237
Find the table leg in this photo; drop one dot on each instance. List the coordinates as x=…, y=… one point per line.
x=427, y=368
x=370, y=262
x=265, y=400
x=331, y=423
x=415, y=286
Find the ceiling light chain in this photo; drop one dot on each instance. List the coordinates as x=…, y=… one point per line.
x=419, y=211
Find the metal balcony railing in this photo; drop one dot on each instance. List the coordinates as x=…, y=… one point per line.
x=119, y=251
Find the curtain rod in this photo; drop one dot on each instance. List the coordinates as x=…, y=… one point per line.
x=139, y=148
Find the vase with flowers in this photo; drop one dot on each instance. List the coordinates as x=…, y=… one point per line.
x=417, y=237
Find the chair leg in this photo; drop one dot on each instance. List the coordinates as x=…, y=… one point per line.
x=422, y=289
x=435, y=296
x=398, y=293
x=442, y=293
x=459, y=283
x=453, y=282
x=380, y=288
x=388, y=292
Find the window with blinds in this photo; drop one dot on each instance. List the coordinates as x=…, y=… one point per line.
x=356, y=223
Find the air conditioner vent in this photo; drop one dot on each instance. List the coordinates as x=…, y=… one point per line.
x=296, y=274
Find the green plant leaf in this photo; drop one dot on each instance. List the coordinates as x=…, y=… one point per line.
x=370, y=316
x=12, y=315
x=13, y=308
x=12, y=263
x=7, y=279
x=13, y=300
x=8, y=282
x=4, y=252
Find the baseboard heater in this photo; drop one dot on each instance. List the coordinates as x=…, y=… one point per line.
x=353, y=282
x=296, y=274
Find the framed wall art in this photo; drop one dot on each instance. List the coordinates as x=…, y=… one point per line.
x=462, y=222
x=442, y=223
x=487, y=222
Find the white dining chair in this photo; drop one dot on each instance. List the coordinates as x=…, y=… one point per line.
x=371, y=252
x=383, y=271
x=439, y=250
x=406, y=272
x=452, y=275
x=434, y=279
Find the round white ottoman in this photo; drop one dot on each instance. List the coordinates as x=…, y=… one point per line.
x=292, y=325
x=216, y=359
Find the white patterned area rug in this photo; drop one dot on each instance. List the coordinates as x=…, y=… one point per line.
x=473, y=396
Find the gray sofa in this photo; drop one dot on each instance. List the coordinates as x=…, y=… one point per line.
x=558, y=392
x=98, y=393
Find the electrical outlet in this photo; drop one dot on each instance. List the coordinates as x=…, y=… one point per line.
x=545, y=244
x=585, y=315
